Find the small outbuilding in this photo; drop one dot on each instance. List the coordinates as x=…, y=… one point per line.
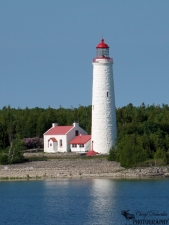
x=81, y=143
x=57, y=138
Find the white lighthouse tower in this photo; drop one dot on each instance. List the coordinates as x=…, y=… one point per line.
x=104, y=129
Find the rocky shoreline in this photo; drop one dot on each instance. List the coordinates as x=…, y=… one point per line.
x=77, y=168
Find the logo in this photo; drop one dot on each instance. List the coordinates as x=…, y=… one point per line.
x=151, y=217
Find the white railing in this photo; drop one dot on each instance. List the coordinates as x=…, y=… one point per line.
x=107, y=59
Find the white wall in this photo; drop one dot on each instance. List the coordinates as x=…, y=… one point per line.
x=104, y=130
x=52, y=146
x=47, y=147
x=62, y=148
x=87, y=147
x=58, y=148
x=77, y=149
x=46, y=138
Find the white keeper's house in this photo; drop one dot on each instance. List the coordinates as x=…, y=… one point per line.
x=58, y=138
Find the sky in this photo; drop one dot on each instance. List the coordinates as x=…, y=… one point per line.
x=47, y=48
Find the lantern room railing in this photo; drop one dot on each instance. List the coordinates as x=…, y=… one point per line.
x=110, y=60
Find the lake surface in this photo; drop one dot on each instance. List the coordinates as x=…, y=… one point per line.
x=83, y=201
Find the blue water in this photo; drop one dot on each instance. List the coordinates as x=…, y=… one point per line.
x=83, y=201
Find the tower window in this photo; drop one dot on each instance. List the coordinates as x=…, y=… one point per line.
x=107, y=94
x=61, y=143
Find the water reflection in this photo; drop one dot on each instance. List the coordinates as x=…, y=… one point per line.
x=84, y=202
x=92, y=201
x=102, y=209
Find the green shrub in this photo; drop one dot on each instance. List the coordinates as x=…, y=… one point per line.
x=112, y=154
x=4, y=159
x=166, y=158
x=130, y=151
x=159, y=154
x=15, y=153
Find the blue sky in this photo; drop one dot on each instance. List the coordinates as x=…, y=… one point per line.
x=47, y=47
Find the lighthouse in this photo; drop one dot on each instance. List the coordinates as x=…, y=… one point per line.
x=104, y=129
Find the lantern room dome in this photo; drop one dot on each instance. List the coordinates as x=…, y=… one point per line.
x=102, y=44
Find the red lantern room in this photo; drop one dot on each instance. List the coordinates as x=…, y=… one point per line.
x=102, y=50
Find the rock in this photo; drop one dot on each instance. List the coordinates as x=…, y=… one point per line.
x=6, y=168
x=166, y=174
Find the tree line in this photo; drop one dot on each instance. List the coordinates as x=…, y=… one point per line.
x=31, y=123
x=143, y=132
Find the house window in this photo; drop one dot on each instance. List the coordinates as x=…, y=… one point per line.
x=74, y=145
x=60, y=141
x=107, y=94
x=50, y=144
x=76, y=132
x=81, y=145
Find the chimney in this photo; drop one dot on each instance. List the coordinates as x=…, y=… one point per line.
x=75, y=124
x=54, y=124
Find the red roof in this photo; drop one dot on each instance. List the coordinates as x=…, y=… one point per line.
x=53, y=139
x=58, y=130
x=102, y=44
x=81, y=139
